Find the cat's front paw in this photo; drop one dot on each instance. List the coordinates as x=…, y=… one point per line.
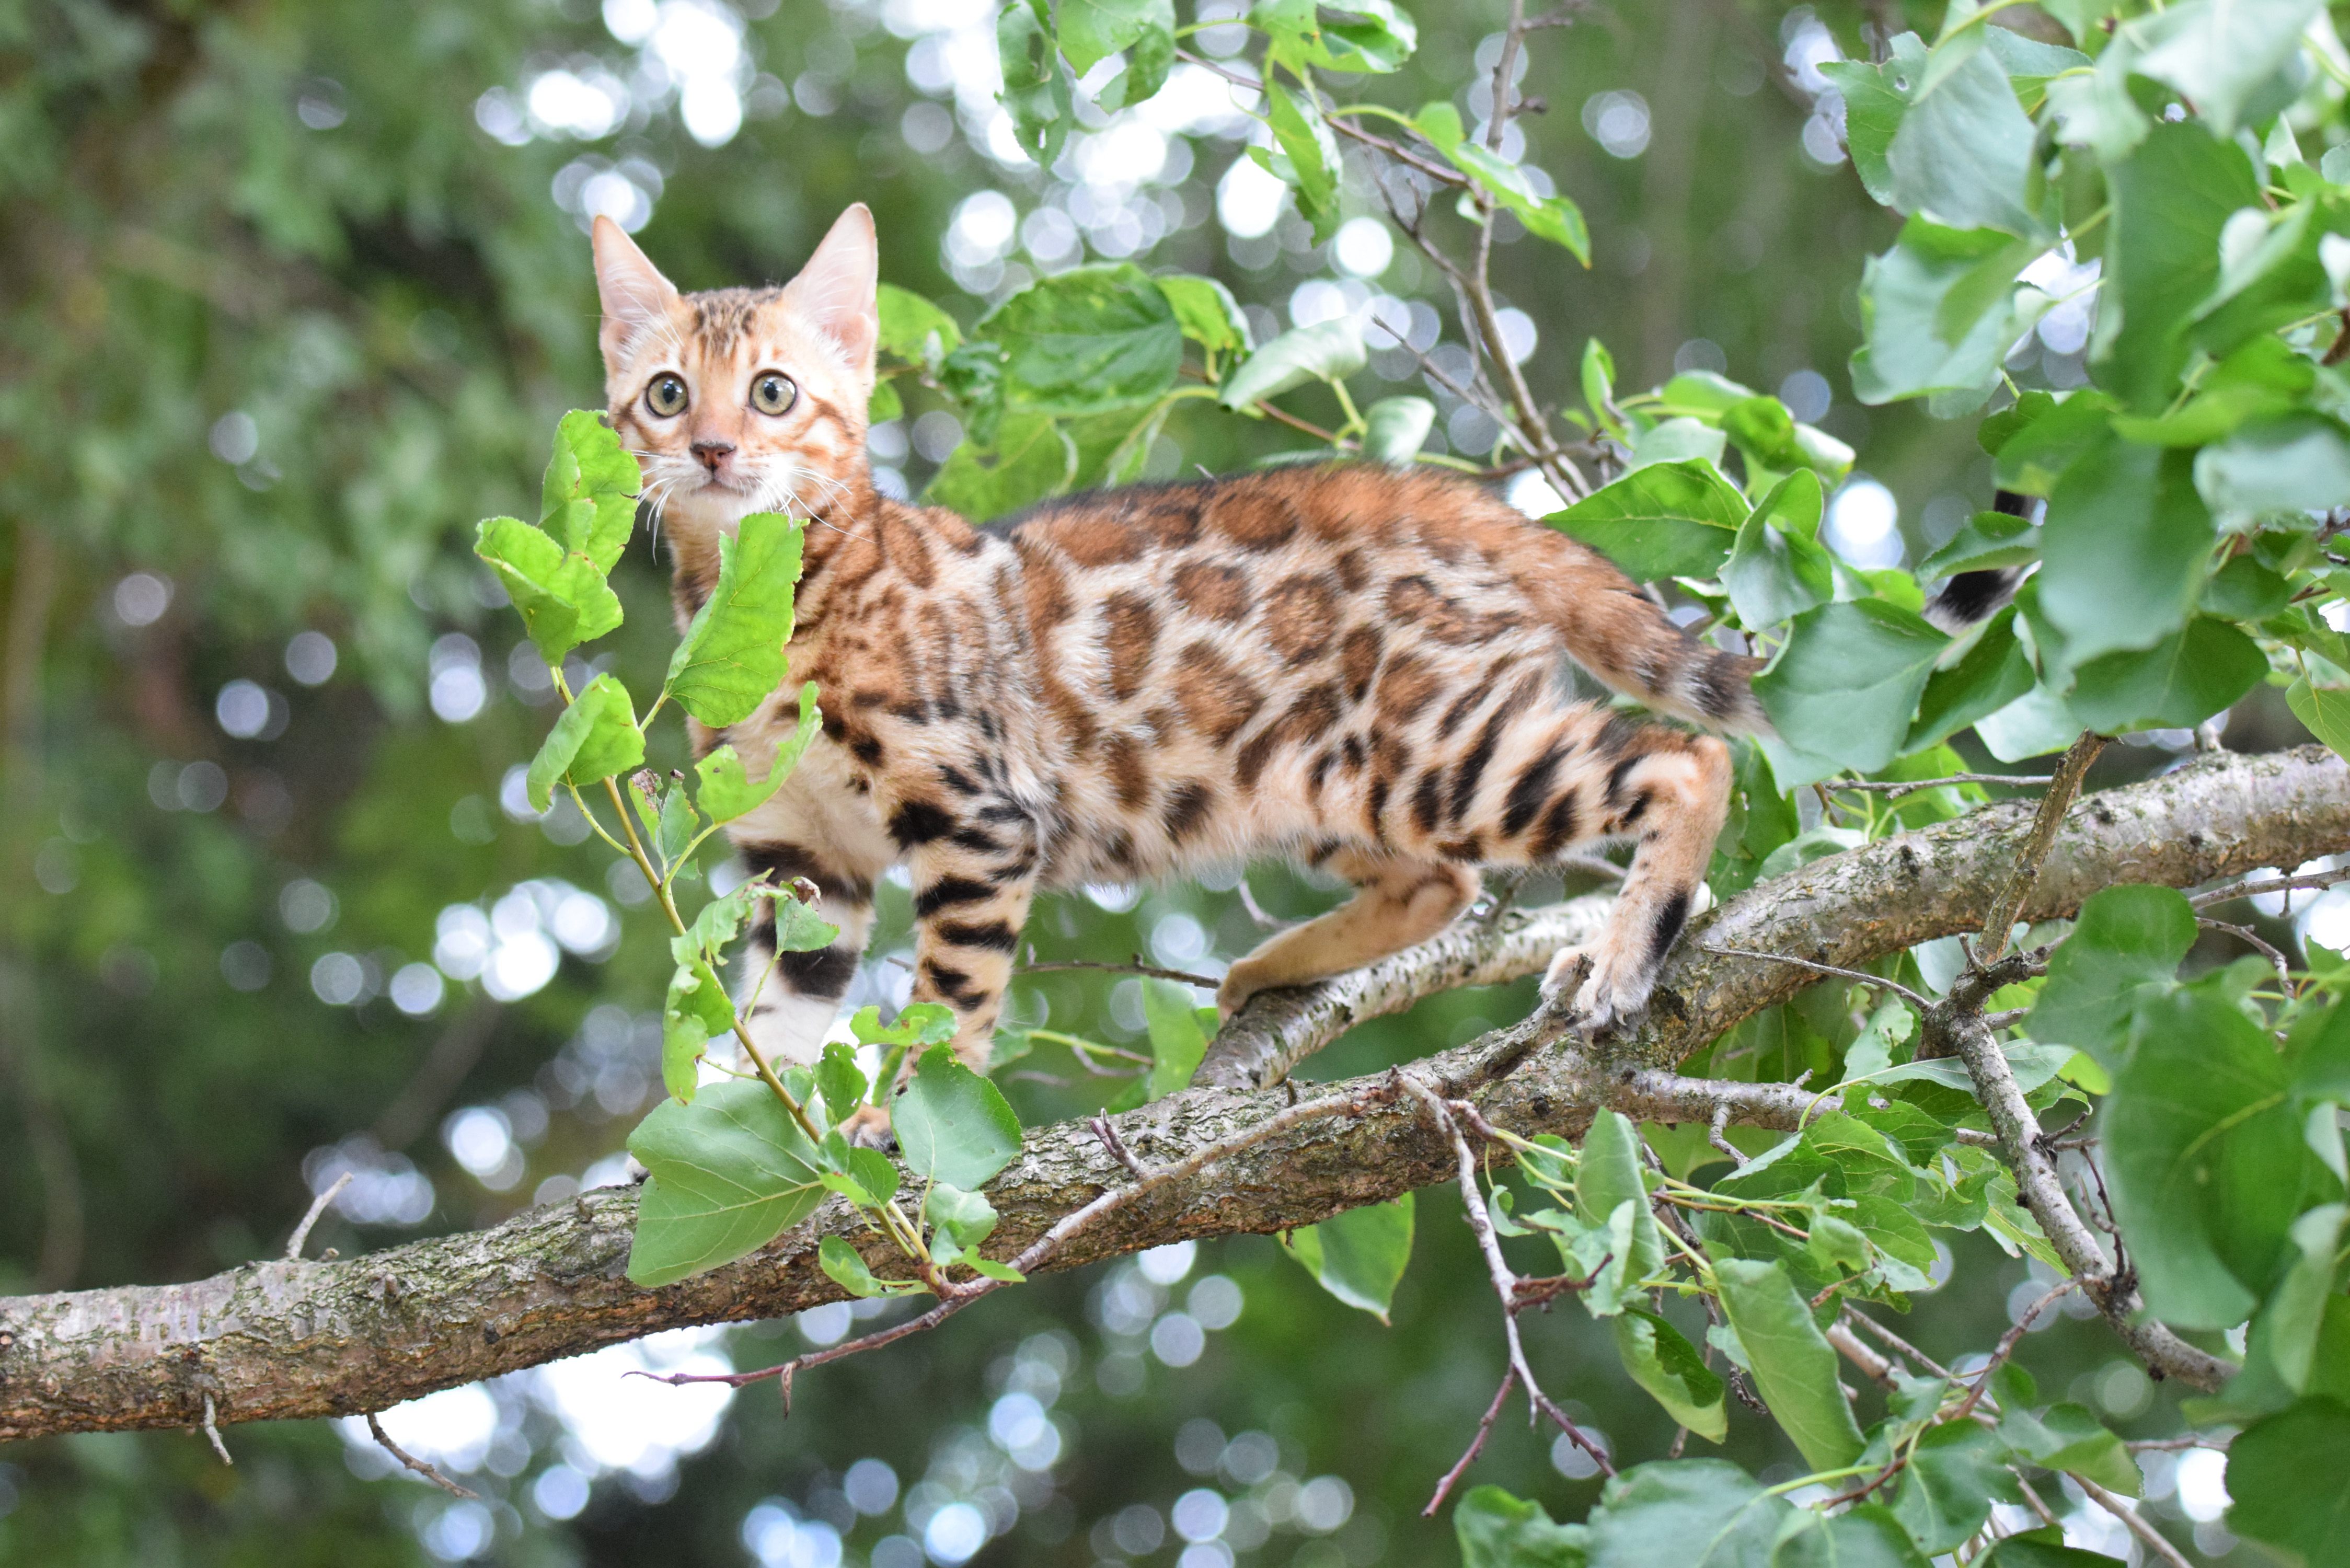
x=1599, y=1004
x=1241, y=981
x=869, y=1127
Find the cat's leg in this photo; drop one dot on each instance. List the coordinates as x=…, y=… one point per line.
x=1397, y=901
x=969, y=908
x=789, y=1000
x=1669, y=791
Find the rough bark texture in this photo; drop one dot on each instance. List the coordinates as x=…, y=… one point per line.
x=276, y=1340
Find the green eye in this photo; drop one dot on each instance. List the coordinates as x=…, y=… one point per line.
x=666, y=396
x=771, y=393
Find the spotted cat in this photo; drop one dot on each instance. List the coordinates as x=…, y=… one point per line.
x=1360, y=668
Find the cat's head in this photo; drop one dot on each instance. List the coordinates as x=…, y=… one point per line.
x=742, y=400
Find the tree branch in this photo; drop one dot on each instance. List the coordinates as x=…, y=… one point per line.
x=279, y=1339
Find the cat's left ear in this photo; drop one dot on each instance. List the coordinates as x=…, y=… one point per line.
x=836, y=291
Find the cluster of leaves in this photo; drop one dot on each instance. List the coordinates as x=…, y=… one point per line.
x=734, y=1164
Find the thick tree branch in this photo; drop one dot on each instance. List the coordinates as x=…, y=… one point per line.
x=287, y=1339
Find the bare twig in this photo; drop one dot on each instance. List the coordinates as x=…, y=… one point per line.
x=2253, y=939
x=2269, y=885
x=2179, y=1444
x=1719, y=1135
x=1876, y=1368
x=1150, y=970
x=414, y=1463
x=1860, y=975
x=2147, y=1533
x=1264, y=922
x=1476, y=1444
x=1116, y=1146
x=317, y=1207
x=1854, y=1314
x=212, y=1430
x=2006, y=1346
x=2001, y=923
x=1896, y=789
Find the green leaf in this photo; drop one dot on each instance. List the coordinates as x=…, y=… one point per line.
x=685, y=1039
x=2277, y=466
x=843, y=1265
x=1691, y=1513
x=2288, y=1478
x=1087, y=340
x=1986, y=678
x=1497, y=1530
x=595, y=738
x=1676, y=441
x=2220, y=53
x=2124, y=950
x=1794, y=1370
x=1307, y=158
x=2039, y=438
x=2295, y=1311
x=2177, y=683
x=587, y=502
x=1776, y=570
x=2205, y=1160
x=909, y=322
x=1866, y=1537
x=1991, y=539
x=2324, y=710
x=1359, y=1256
x=725, y=791
x=2038, y=1549
x=1093, y=30
x=840, y=1081
x=1939, y=310
x=1394, y=428
x=1207, y=312
x=2245, y=590
x=1606, y=1179
x=2170, y=199
x=1662, y=1361
x=1872, y=114
x=563, y=599
x=1178, y=1040
x=1325, y=351
x=1031, y=458
x=1847, y=682
x=1670, y=520
x=873, y=1173
x=731, y=659
x=696, y=1012
x=953, y=1125
x=1552, y=218
x=729, y=1173
x=1038, y=89
x=2123, y=550
x=1954, y=1475
x=1357, y=35
x=2068, y=1437
x=1598, y=374
x=962, y=1220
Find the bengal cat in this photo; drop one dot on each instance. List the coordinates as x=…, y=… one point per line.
x=1361, y=668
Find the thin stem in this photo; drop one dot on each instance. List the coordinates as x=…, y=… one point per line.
x=2066, y=784
x=1476, y=1444
x=2007, y=1343
x=317, y=1207
x=1855, y=974
x=2143, y=1530
x=1136, y=966
x=2269, y=885
x=1896, y=789
x=414, y=1463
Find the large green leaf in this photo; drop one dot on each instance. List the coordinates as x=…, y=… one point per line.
x=587, y=502
x=2177, y=683
x=1606, y=1179
x=1794, y=1370
x=2205, y=1160
x=1325, y=351
x=1847, y=682
x=2325, y=709
x=1359, y=1256
x=1983, y=680
x=1953, y=1477
x=1498, y=1530
x=731, y=659
x=1866, y=1537
x=2219, y=53
x=2124, y=549
x=1093, y=30
x=1031, y=458
x=1661, y=1360
x=1777, y=569
x=2289, y=1480
x=953, y=1125
x=1689, y=1514
x=1087, y=340
x=729, y=1173
x=1039, y=91
x=908, y=322
x=1306, y=159
x=2124, y=948
x=1939, y=309
x=1359, y=35
x=562, y=597
x=2287, y=466
x=595, y=738
x=1963, y=154
x=1668, y=520
x=723, y=787
x=2170, y=199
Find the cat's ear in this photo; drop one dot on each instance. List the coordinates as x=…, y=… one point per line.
x=632, y=289
x=835, y=292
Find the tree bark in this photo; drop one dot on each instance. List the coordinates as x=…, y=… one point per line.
x=275, y=1340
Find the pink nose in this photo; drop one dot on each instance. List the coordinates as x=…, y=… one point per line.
x=712, y=454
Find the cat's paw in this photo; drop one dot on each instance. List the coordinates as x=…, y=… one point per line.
x=1240, y=982
x=869, y=1127
x=1599, y=1002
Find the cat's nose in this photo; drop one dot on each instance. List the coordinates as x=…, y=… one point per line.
x=712, y=454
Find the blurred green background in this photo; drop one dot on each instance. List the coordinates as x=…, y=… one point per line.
x=289, y=296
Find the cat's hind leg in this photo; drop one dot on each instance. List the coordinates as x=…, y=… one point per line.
x=788, y=1001
x=1398, y=900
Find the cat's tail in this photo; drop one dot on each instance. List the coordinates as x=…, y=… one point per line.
x=1970, y=597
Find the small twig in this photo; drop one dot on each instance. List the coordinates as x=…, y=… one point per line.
x=2251, y=938
x=2176, y=1444
x=1136, y=966
x=414, y=1463
x=1719, y=1135
x=2006, y=1347
x=317, y=1207
x=212, y=1429
x=2038, y=1507
x=1885, y=1334
x=1264, y=922
x=2062, y=787
x=1896, y=789
x=1861, y=975
x=1878, y=1369
x=1476, y=1444
x=2270, y=885
x=1108, y=1135
x=2154, y=1540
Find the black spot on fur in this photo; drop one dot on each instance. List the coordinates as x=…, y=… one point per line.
x=954, y=985
x=948, y=891
x=826, y=973
x=1671, y=914
x=1473, y=768
x=1532, y=788
x=960, y=782
x=781, y=863
x=867, y=749
x=1616, y=775
x=995, y=935
x=1718, y=687
x=1558, y=827
x=920, y=822
x=1188, y=804
x=1428, y=800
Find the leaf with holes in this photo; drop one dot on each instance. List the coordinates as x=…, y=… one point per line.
x=731, y=659
x=587, y=502
x=724, y=788
x=562, y=597
x=595, y=738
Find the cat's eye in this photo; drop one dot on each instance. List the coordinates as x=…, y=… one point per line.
x=771, y=393
x=666, y=396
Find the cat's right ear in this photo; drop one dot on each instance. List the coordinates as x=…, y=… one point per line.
x=632, y=289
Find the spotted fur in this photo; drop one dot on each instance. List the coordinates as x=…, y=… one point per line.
x=1364, y=669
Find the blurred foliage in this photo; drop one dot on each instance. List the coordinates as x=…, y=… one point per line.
x=291, y=294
